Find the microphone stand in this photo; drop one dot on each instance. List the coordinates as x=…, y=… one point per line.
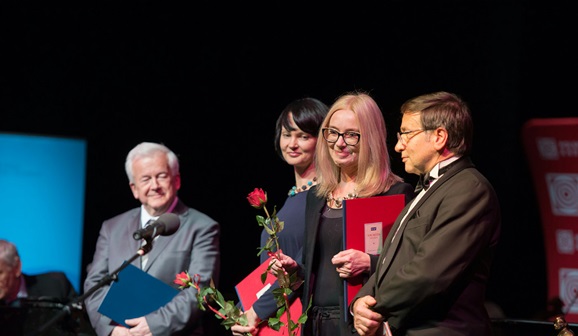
x=109, y=278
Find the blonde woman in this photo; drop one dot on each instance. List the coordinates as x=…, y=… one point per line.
x=352, y=161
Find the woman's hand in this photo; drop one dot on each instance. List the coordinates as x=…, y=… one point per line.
x=251, y=327
x=282, y=263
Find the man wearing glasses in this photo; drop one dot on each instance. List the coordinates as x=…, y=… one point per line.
x=435, y=263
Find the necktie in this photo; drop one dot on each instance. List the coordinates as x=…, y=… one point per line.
x=423, y=183
x=145, y=257
x=425, y=180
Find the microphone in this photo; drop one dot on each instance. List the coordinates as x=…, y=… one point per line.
x=165, y=225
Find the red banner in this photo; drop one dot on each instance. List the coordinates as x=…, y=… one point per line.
x=552, y=150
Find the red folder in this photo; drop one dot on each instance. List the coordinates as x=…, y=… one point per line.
x=366, y=223
x=251, y=288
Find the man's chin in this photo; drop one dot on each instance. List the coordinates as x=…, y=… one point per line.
x=158, y=207
x=411, y=170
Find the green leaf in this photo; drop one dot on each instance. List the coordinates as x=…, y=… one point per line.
x=302, y=319
x=293, y=325
x=269, y=231
x=275, y=323
x=260, y=251
x=281, y=311
x=243, y=320
x=279, y=298
x=260, y=220
x=220, y=297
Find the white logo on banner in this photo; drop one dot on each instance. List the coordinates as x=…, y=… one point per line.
x=569, y=289
x=568, y=148
x=565, y=241
x=547, y=148
x=563, y=191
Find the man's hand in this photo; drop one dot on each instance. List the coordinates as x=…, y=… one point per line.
x=366, y=321
x=350, y=263
x=138, y=327
x=120, y=331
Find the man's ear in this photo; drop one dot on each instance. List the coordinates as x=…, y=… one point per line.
x=177, y=179
x=18, y=268
x=440, y=138
x=134, y=190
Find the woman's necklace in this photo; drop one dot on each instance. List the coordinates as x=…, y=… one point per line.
x=338, y=202
x=294, y=191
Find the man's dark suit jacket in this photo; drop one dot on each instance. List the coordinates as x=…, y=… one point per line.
x=432, y=279
x=48, y=295
x=50, y=285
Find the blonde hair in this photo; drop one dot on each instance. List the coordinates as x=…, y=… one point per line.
x=374, y=175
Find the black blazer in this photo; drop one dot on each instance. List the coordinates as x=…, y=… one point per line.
x=53, y=286
x=313, y=211
x=432, y=279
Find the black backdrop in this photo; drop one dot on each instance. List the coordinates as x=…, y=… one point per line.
x=209, y=81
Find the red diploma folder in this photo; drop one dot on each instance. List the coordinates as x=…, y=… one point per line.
x=251, y=288
x=366, y=223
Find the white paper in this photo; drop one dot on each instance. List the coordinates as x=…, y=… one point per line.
x=373, y=240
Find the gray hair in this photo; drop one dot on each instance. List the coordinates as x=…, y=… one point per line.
x=9, y=253
x=147, y=149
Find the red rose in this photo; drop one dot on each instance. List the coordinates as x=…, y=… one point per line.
x=257, y=198
x=183, y=280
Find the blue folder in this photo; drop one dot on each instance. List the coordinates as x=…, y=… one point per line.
x=135, y=293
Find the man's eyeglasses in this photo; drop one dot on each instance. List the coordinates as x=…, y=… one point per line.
x=332, y=135
x=404, y=138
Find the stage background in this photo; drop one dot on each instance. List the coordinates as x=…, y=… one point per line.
x=209, y=80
